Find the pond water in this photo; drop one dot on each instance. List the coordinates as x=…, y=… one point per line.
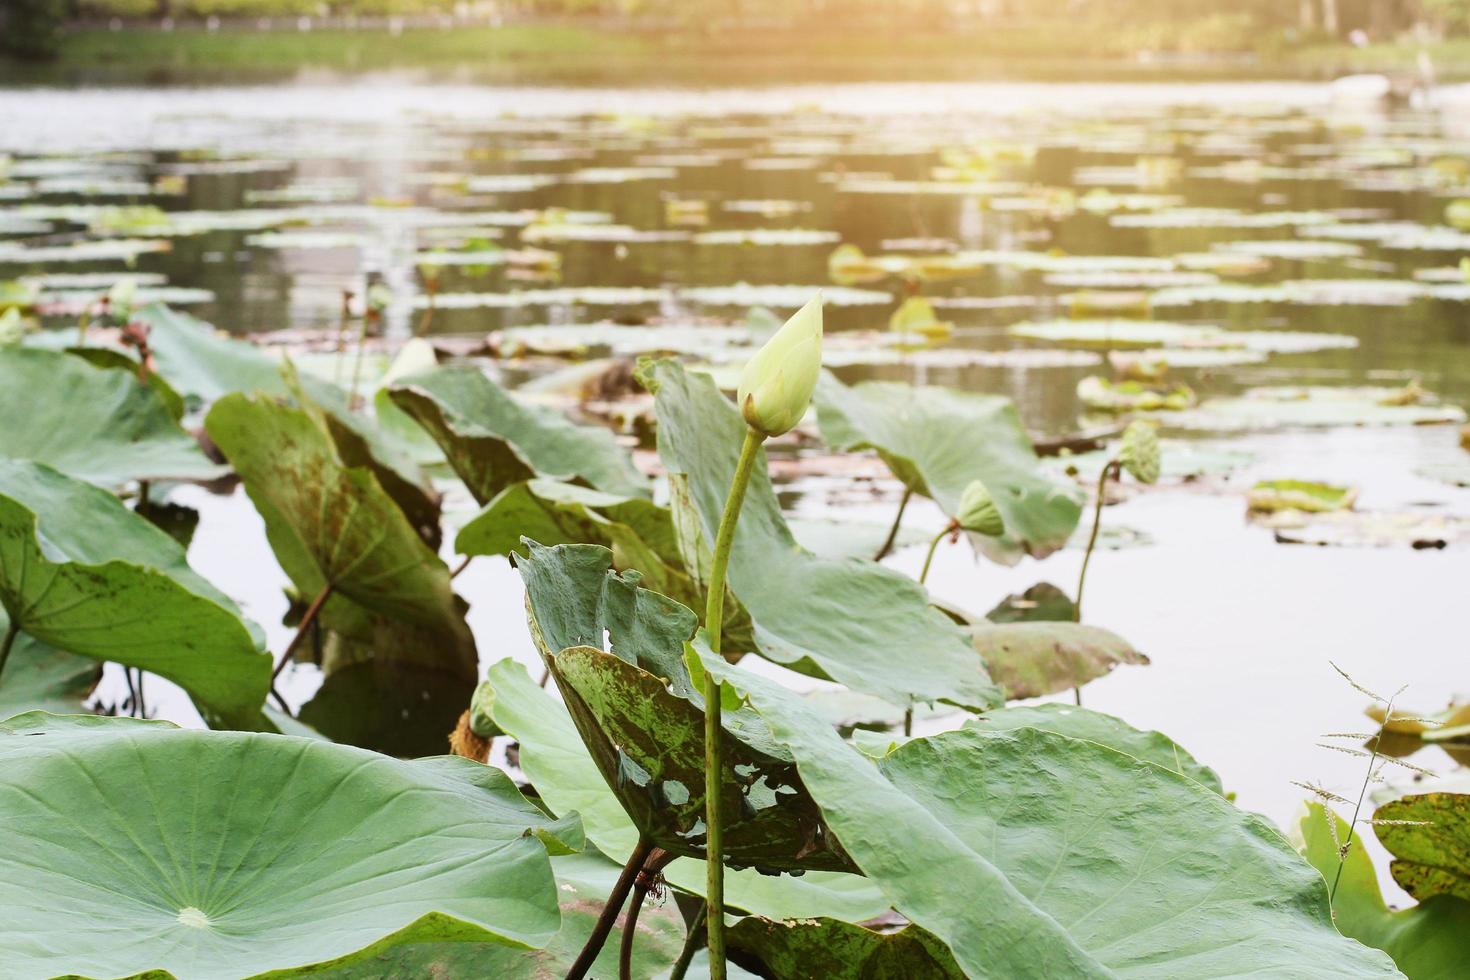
x=1320, y=229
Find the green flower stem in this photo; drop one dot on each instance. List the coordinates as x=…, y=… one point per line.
x=691, y=944
x=1110, y=470
x=609, y=916
x=893, y=531
x=908, y=714
x=929, y=558
x=714, y=615
x=10, y=633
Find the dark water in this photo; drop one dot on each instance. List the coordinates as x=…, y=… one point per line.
x=1240, y=628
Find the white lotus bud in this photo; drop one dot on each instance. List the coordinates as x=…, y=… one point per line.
x=120, y=300
x=777, y=383
x=978, y=512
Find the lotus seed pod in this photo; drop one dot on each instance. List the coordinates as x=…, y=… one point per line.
x=1139, y=453
x=978, y=512
x=777, y=383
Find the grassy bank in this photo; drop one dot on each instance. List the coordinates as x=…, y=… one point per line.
x=561, y=54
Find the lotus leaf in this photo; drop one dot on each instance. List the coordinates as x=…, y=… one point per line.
x=800, y=603
x=313, y=851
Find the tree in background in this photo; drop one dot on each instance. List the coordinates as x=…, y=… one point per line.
x=31, y=29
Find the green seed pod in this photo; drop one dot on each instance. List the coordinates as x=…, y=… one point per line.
x=777, y=383
x=1139, y=452
x=978, y=512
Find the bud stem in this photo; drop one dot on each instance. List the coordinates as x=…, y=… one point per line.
x=908, y=715
x=714, y=614
x=1111, y=469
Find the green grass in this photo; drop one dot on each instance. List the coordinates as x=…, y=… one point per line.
x=546, y=53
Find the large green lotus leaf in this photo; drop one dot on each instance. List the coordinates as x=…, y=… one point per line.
x=1427, y=941
x=82, y=573
x=332, y=523
x=96, y=424
x=135, y=847
x=386, y=704
x=1432, y=856
x=567, y=780
x=205, y=364
x=1031, y=854
x=493, y=441
x=840, y=619
x=937, y=441
x=1030, y=660
x=617, y=653
x=584, y=881
x=1155, y=748
x=41, y=678
x=836, y=950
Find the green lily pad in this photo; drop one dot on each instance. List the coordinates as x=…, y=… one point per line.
x=558, y=764
x=314, y=851
x=835, y=950
x=616, y=651
x=796, y=599
x=1076, y=879
x=493, y=441
x=1031, y=660
x=96, y=424
x=1425, y=941
x=1101, y=395
x=1116, y=333
x=937, y=441
x=1268, y=496
x=1267, y=408
x=1420, y=530
x=1431, y=856
x=82, y=573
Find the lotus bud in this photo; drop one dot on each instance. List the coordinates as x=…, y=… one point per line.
x=978, y=512
x=120, y=300
x=1139, y=452
x=777, y=383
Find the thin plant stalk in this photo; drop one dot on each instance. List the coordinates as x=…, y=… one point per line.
x=461, y=566
x=893, y=531
x=1342, y=852
x=647, y=878
x=307, y=620
x=342, y=323
x=11, y=631
x=357, y=362
x=141, y=705
x=691, y=945
x=431, y=288
x=908, y=713
x=1110, y=470
x=714, y=614
x=610, y=911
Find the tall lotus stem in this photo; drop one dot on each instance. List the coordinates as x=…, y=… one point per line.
x=714, y=614
x=1110, y=470
x=775, y=389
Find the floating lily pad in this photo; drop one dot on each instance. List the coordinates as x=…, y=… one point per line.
x=1031, y=660
x=1313, y=498
x=439, y=850
x=1265, y=408
x=1375, y=529
x=1115, y=333
x=1101, y=395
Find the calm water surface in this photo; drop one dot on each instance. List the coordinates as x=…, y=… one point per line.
x=367, y=178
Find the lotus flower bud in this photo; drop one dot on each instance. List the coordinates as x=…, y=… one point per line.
x=120, y=300
x=777, y=383
x=978, y=512
x=1139, y=452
